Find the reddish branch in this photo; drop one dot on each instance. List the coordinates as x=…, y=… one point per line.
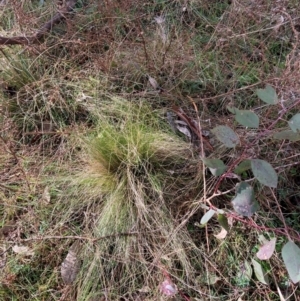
x=58, y=17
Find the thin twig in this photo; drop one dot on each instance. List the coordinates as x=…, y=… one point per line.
x=77, y=237
x=281, y=215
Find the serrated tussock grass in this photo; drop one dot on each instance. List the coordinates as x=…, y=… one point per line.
x=129, y=193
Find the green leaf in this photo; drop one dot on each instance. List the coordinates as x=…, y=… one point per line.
x=291, y=258
x=223, y=221
x=266, y=250
x=247, y=118
x=245, y=273
x=244, y=203
x=268, y=95
x=216, y=166
x=259, y=272
x=226, y=135
x=207, y=216
x=264, y=172
x=287, y=134
x=231, y=109
x=242, y=167
x=294, y=123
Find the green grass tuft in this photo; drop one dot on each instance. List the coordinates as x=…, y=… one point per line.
x=128, y=194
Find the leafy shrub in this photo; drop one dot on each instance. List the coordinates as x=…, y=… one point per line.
x=245, y=203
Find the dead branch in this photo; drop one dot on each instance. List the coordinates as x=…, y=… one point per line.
x=58, y=17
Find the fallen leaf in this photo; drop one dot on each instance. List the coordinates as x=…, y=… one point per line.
x=22, y=250
x=168, y=288
x=266, y=250
x=193, y=127
x=221, y=235
x=46, y=195
x=183, y=129
x=70, y=266
x=153, y=82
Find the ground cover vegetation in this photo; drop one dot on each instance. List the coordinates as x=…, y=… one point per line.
x=149, y=150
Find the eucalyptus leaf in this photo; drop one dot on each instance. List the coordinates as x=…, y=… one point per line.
x=247, y=118
x=226, y=135
x=207, y=216
x=287, y=134
x=291, y=258
x=223, y=221
x=294, y=123
x=259, y=272
x=231, y=109
x=243, y=166
x=244, y=203
x=264, y=172
x=248, y=270
x=216, y=166
x=266, y=250
x=268, y=95
x=245, y=272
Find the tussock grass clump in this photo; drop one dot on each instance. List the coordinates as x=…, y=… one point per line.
x=38, y=96
x=129, y=194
